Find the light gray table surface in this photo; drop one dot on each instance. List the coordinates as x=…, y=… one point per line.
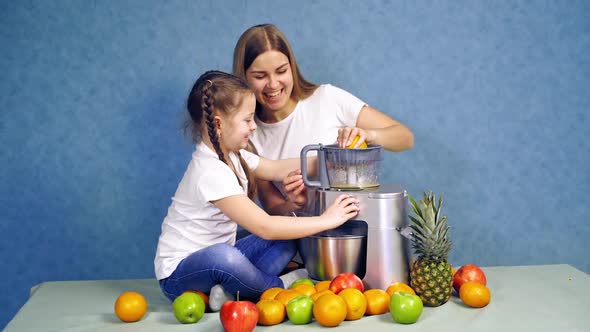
x=524, y=298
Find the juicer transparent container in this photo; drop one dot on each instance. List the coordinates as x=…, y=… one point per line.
x=343, y=168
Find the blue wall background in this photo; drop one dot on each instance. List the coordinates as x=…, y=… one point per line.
x=92, y=95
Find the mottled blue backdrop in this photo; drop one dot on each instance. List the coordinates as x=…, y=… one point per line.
x=91, y=101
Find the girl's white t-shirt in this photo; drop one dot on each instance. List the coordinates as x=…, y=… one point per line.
x=193, y=222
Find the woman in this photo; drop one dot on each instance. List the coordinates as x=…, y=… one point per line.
x=292, y=112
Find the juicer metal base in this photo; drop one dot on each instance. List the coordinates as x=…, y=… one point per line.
x=384, y=209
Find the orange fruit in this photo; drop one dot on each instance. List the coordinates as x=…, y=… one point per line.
x=305, y=289
x=399, y=287
x=356, y=303
x=323, y=285
x=329, y=310
x=270, y=312
x=287, y=295
x=315, y=296
x=130, y=306
x=377, y=301
x=271, y=293
x=475, y=294
x=362, y=146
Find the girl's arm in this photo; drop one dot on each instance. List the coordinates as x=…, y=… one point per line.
x=277, y=170
x=251, y=217
x=376, y=127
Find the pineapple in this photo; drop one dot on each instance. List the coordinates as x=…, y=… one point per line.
x=430, y=274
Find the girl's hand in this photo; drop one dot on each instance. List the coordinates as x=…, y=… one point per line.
x=343, y=208
x=295, y=189
x=346, y=136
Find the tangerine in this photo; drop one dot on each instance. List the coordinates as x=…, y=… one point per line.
x=271, y=293
x=399, y=287
x=323, y=285
x=475, y=294
x=286, y=295
x=315, y=296
x=329, y=310
x=377, y=301
x=356, y=303
x=305, y=289
x=270, y=312
x=130, y=306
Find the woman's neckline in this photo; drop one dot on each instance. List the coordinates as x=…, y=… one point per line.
x=270, y=120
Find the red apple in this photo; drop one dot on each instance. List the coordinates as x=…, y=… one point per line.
x=238, y=316
x=346, y=280
x=468, y=272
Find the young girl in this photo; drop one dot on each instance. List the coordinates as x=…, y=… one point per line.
x=197, y=248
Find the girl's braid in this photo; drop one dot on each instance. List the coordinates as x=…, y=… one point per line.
x=207, y=103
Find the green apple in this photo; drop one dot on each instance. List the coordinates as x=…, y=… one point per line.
x=302, y=281
x=188, y=308
x=405, y=308
x=300, y=310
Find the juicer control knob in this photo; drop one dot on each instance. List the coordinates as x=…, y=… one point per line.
x=405, y=232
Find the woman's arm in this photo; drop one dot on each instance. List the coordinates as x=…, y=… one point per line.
x=251, y=217
x=271, y=198
x=274, y=170
x=273, y=201
x=376, y=127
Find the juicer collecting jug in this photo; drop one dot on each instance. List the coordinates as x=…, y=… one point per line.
x=347, y=169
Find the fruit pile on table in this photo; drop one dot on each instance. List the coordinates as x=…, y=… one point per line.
x=330, y=302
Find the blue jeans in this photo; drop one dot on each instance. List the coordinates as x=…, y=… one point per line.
x=251, y=266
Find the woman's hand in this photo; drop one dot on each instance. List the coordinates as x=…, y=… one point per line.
x=343, y=208
x=346, y=136
x=295, y=189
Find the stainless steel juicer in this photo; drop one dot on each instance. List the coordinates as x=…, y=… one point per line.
x=372, y=245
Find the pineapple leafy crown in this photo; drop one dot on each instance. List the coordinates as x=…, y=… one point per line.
x=430, y=238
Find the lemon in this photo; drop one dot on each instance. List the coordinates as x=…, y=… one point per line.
x=362, y=146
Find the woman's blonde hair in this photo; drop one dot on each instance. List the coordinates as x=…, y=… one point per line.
x=267, y=37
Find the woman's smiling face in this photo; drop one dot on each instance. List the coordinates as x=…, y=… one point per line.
x=271, y=79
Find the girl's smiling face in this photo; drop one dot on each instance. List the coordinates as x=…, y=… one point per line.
x=235, y=129
x=271, y=79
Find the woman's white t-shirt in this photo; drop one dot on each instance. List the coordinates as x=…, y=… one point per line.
x=315, y=119
x=193, y=222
